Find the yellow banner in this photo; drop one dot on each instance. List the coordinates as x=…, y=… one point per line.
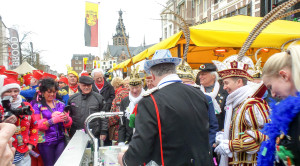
x=85, y=60
x=91, y=13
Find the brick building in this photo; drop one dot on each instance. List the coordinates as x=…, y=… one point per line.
x=200, y=11
x=77, y=62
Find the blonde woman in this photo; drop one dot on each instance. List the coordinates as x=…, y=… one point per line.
x=281, y=75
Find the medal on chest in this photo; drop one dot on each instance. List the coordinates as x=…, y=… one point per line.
x=18, y=130
x=20, y=140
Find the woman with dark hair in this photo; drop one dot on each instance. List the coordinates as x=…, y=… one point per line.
x=52, y=121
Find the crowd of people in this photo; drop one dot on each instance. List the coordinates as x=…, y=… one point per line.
x=223, y=114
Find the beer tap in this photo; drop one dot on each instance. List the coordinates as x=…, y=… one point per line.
x=101, y=114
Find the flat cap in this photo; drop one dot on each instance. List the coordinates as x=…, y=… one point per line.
x=86, y=80
x=208, y=67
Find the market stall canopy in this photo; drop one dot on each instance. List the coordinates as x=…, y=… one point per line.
x=24, y=68
x=228, y=34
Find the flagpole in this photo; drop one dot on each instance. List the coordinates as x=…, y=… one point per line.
x=99, y=33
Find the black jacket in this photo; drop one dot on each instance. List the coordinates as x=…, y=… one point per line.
x=184, y=125
x=125, y=132
x=221, y=99
x=84, y=105
x=108, y=93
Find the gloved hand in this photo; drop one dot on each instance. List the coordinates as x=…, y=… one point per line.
x=42, y=124
x=56, y=118
x=219, y=137
x=223, y=148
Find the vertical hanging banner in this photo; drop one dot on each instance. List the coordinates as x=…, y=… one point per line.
x=84, y=63
x=91, y=24
x=15, y=48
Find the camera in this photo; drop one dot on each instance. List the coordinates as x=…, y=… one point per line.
x=8, y=111
x=67, y=108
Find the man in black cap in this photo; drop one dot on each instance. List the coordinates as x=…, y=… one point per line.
x=84, y=103
x=210, y=86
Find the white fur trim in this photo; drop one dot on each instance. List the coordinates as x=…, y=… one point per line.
x=9, y=86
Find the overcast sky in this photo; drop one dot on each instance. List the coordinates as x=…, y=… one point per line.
x=58, y=25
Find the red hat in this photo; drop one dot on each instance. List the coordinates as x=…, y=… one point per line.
x=37, y=74
x=7, y=83
x=11, y=74
x=2, y=69
x=48, y=75
x=64, y=80
x=27, y=78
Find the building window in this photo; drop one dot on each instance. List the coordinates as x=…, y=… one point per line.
x=103, y=63
x=246, y=10
x=110, y=62
x=76, y=68
x=79, y=68
x=76, y=58
x=80, y=62
x=76, y=62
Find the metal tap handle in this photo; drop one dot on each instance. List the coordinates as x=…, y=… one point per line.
x=101, y=114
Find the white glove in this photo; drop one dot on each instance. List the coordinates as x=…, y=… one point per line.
x=219, y=137
x=121, y=143
x=223, y=148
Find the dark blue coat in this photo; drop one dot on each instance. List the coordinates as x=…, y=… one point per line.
x=213, y=122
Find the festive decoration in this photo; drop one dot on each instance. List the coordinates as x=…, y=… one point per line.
x=281, y=116
x=135, y=77
x=231, y=67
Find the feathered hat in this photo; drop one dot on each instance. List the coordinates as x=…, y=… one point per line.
x=185, y=71
x=231, y=67
x=135, y=77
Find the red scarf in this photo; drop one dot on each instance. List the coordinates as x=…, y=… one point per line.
x=74, y=88
x=99, y=86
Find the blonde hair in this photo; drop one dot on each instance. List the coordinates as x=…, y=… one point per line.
x=117, y=82
x=289, y=59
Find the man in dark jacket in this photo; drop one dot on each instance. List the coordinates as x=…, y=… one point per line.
x=180, y=137
x=210, y=86
x=85, y=103
x=103, y=87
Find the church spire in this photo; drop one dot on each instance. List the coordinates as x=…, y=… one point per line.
x=118, y=38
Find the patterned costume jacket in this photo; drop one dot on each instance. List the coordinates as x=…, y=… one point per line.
x=113, y=121
x=245, y=138
x=26, y=133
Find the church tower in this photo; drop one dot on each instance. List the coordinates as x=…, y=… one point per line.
x=118, y=38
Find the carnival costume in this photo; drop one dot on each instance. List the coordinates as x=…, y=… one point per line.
x=283, y=144
x=52, y=137
x=72, y=89
x=27, y=129
x=128, y=106
x=246, y=114
x=28, y=92
x=171, y=122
